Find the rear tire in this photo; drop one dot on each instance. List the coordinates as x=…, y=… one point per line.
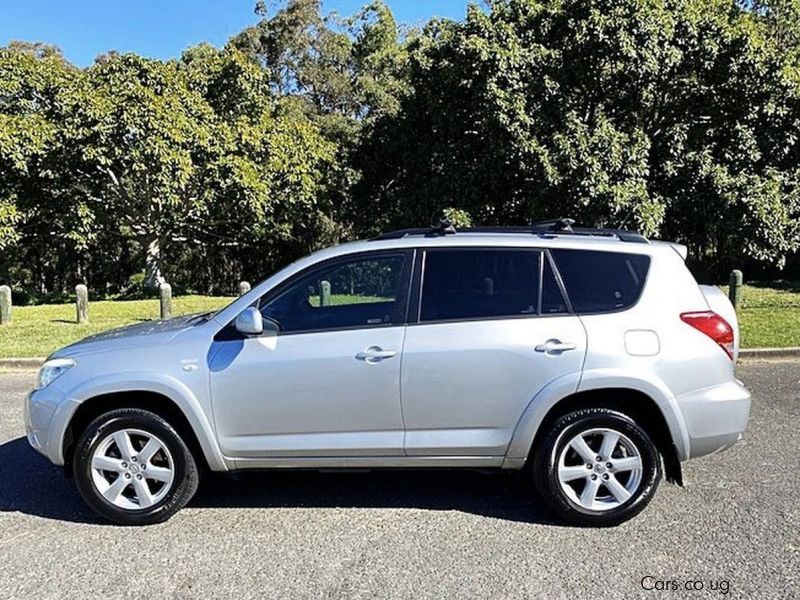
x=133, y=468
x=596, y=467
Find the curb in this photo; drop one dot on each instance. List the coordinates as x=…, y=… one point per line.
x=21, y=363
x=769, y=353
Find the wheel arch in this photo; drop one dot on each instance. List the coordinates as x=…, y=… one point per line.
x=643, y=401
x=181, y=410
x=153, y=402
x=633, y=403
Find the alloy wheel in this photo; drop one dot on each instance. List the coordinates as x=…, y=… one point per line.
x=132, y=469
x=599, y=469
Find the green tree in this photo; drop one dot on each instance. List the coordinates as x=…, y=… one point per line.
x=135, y=163
x=779, y=21
x=339, y=67
x=141, y=131
x=266, y=176
x=40, y=221
x=341, y=73
x=679, y=118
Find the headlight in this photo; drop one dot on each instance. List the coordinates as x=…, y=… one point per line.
x=52, y=370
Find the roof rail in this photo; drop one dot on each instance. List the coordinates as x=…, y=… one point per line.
x=561, y=226
x=445, y=227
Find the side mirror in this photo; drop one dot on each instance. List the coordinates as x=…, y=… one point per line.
x=249, y=322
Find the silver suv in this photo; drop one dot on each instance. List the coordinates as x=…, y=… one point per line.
x=589, y=358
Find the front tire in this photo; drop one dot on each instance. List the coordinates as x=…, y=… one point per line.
x=596, y=467
x=133, y=468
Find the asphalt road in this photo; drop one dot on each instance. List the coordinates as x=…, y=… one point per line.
x=734, y=528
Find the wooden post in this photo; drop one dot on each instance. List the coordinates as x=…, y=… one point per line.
x=735, y=290
x=5, y=305
x=82, y=304
x=324, y=293
x=166, y=300
x=244, y=287
x=488, y=286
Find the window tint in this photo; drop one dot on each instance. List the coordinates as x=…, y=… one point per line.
x=601, y=281
x=362, y=292
x=468, y=284
x=553, y=302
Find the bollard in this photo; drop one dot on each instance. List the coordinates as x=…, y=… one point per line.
x=165, y=292
x=5, y=305
x=244, y=287
x=735, y=290
x=324, y=293
x=488, y=286
x=82, y=303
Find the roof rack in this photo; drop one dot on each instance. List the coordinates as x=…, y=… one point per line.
x=553, y=227
x=445, y=227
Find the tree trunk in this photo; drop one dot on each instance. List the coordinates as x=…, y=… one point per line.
x=153, y=277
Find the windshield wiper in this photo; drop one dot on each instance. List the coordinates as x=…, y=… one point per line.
x=201, y=318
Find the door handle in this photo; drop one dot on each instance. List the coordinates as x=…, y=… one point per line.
x=375, y=354
x=555, y=347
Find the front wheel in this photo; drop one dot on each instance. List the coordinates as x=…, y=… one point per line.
x=596, y=467
x=133, y=468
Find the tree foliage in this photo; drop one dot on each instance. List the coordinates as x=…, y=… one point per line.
x=142, y=159
x=676, y=117
x=679, y=118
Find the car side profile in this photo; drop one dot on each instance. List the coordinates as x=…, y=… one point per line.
x=589, y=358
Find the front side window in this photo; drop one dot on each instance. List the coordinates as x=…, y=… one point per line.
x=479, y=283
x=362, y=292
x=599, y=282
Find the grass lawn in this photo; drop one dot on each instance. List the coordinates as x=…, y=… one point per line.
x=39, y=330
x=769, y=317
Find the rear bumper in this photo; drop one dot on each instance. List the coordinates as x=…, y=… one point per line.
x=715, y=417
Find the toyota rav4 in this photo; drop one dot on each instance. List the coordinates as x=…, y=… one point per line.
x=588, y=358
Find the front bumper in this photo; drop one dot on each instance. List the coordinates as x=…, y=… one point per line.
x=46, y=414
x=715, y=417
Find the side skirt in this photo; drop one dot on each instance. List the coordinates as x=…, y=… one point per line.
x=370, y=462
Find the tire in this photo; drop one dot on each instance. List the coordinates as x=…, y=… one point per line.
x=111, y=465
x=568, y=491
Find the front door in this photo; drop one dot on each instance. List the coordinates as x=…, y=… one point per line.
x=328, y=383
x=493, y=330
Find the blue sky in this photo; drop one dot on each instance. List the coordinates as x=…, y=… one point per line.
x=161, y=28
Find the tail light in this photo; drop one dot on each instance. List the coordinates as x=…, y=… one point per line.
x=714, y=326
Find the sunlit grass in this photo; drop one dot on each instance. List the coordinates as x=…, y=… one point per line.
x=769, y=317
x=340, y=299
x=39, y=330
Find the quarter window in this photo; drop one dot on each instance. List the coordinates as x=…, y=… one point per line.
x=474, y=284
x=363, y=292
x=599, y=282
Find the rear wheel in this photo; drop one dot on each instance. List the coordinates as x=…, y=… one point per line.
x=133, y=468
x=596, y=467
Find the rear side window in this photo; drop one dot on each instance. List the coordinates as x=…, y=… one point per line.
x=598, y=282
x=480, y=283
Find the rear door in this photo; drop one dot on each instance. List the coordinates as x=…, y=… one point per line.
x=492, y=329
